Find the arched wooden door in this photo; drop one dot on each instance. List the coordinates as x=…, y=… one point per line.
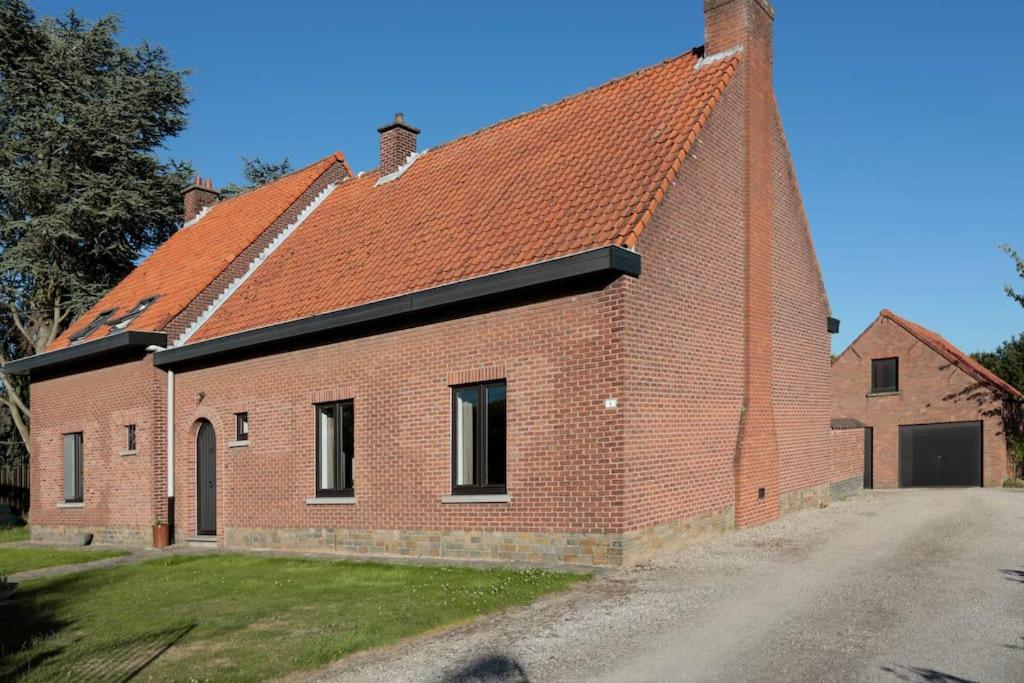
x=206, y=480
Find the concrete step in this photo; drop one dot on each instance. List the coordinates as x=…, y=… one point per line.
x=209, y=542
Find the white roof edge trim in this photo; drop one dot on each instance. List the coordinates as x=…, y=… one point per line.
x=195, y=219
x=401, y=169
x=717, y=57
x=257, y=261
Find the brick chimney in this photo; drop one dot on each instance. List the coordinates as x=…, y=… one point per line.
x=199, y=195
x=747, y=25
x=397, y=142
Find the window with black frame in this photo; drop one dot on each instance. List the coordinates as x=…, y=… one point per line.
x=884, y=375
x=241, y=426
x=335, y=449
x=478, y=438
x=73, y=468
x=129, y=438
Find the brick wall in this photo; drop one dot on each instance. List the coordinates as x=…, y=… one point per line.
x=930, y=390
x=561, y=359
x=121, y=492
x=801, y=373
x=684, y=328
x=846, y=462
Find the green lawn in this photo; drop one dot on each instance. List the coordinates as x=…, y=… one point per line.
x=237, y=617
x=14, y=560
x=13, y=533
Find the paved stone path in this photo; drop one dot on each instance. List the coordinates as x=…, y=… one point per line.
x=134, y=557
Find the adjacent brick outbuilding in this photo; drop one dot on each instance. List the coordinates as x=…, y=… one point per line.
x=459, y=354
x=936, y=415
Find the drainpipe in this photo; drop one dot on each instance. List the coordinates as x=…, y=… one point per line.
x=170, y=441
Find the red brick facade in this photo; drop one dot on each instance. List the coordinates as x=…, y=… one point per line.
x=642, y=413
x=123, y=492
x=931, y=390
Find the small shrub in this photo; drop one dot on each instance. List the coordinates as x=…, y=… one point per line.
x=1015, y=448
x=1012, y=483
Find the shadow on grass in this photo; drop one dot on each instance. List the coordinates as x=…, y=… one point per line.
x=130, y=657
x=30, y=626
x=490, y=668
x=915, y=673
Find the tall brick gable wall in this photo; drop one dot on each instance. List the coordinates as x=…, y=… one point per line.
x=122, y=493
x=930, y=390
x=801, y=372
x=684, y=331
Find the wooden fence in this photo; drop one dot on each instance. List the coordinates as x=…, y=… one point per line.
x=14, y=487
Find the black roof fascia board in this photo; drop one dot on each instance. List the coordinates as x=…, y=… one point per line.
x=605, y=260
x=111, y=345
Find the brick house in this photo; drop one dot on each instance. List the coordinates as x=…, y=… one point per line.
x=934, y=415
x=458, y=354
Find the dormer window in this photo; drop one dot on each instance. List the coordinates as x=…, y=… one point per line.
x=99, y=320
x=126, y=320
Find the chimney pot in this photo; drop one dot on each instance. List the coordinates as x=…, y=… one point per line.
x=397, y=143
x=197, y=196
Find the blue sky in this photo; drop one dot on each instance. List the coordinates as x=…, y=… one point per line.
x=903, y=116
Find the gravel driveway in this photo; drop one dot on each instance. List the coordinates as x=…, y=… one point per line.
x=917, y=585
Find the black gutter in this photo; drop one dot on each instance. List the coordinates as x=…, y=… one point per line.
x=114, y=344
x=833, y=325
x=608, y=261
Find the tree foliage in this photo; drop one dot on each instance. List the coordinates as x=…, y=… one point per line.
x=257, y=172
x=1007, y=361
x=83, y=191
x=1019, y=263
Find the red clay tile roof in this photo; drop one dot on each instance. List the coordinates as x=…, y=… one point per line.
x=954, y=355
x=582, y=173
x=190, y=260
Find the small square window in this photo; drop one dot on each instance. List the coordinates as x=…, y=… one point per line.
x=885, y=375
x=129, y=438
x=241, y=426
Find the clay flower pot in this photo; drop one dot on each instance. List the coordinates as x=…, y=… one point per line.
x=161, y=536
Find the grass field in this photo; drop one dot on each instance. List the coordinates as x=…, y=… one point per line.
x=236, y=617
x=14, y=560
x=13, y=533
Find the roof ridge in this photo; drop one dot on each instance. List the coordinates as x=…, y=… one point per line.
x=337, y=156
x=951, y=352
x=694, y=51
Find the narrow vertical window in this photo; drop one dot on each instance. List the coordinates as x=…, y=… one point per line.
x=335, y=449
x=129, y=438
x=73, y=491
x=241, y=426
x=479, y=438
x=884, y=375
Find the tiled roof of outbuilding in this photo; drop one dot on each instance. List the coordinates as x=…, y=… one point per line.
x=954, y=355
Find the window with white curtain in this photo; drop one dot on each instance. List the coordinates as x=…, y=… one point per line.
x=335, y=456
x=478, y=438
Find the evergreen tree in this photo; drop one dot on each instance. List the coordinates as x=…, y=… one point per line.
x=257, y=172
x=83, y=191
x=1007, y=361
